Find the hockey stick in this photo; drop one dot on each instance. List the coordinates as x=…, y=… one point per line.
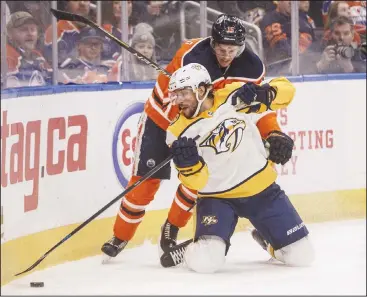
x=67, y=16
x=129, y=189
x=174, y=255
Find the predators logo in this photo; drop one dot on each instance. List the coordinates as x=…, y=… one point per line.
x=209, y=220
x=221, y=140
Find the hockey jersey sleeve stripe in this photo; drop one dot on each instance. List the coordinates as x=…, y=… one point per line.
x=134, y=206
x=154, y=105
x=157, y=117
x=268, y=123
x=159, y=90
x=157, y=99
x=184, y=198
x=196, y=181
x=129, y=220
x=188, y=171
x=132, y=213
x=188, y=192
x=183, y=206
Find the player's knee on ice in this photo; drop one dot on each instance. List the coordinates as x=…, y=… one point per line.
x=299, y=253
x=206, y=255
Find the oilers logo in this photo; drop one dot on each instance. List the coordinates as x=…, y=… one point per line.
x=36, y=79
x=227, y=136
x=123, y=142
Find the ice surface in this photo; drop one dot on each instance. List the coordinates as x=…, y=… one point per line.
x=340, y=269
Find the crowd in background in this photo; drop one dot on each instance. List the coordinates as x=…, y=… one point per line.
x=332, y=38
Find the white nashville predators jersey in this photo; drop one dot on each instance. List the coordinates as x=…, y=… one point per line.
x=232, y=149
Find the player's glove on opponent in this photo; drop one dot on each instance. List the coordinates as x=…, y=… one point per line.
x=251, y=93
x=186, y=156
x=280, y=147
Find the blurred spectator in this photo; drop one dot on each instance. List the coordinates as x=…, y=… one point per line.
x=87, y=68
x=342, y=8
x=230, y=7
x=163, y=16
x=357, y=11
x=67, y=32
x=363, y=49
x=249, y=11
x=254, y=11
x=336, y=9
x=358, y=14
x=276, y=29
x=7, y=13
x=26, y=65
x=40, y=10
x=304, y=7
x=339, y=55
x=143, y=42
x=113, y=24
x=314, y=13
x=143, y=27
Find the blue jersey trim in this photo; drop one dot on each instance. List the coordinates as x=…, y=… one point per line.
x=111, y=86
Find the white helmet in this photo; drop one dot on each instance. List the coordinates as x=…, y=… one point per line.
x=190, y=75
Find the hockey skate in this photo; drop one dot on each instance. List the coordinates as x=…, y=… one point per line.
x=263, y=243
x=174, y=255
x=168, y=237
x=259, y=239
x=112, y=248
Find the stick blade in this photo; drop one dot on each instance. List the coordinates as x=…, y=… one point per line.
x=63, y=15
x=25, y=271
x=33, y=266
x=174, y=256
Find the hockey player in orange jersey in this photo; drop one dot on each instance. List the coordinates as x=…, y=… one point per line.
x=227, y=60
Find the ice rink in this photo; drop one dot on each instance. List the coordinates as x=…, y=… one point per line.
x=340, y=269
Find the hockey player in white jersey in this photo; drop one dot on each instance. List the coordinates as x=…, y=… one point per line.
x=231, y=169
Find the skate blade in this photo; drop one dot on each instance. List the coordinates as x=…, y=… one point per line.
x=106, y=259
x=272, y=261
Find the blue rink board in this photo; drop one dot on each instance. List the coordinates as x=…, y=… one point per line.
x=47, y=90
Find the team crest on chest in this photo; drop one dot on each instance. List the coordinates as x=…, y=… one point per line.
x=227, y=136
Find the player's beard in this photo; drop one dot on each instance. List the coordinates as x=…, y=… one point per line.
x=188, y=110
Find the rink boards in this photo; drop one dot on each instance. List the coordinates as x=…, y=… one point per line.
x=66, y=155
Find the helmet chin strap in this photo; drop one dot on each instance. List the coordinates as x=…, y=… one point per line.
x=200, y=102
x=240, y=51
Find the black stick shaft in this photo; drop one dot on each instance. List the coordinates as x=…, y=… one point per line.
x=81, y=226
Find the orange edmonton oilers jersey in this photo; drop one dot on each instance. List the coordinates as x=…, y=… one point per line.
x=246, y=68
x=67, y=36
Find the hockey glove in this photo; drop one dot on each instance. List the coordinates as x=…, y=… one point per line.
x=280, y=147
x=251, y=93
x=185, y=153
